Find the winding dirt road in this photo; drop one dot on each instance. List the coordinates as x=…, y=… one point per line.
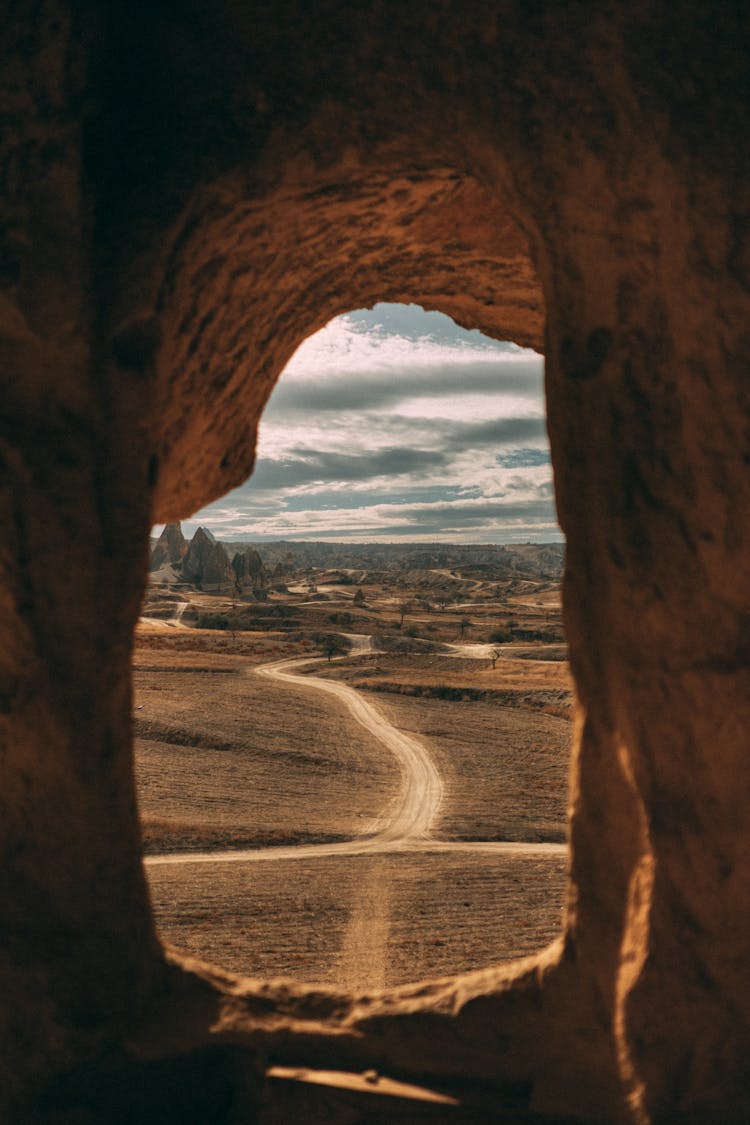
x=404, y=825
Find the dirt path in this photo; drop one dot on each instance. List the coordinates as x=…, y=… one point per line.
x=363, y=958
x=404, y=825
x=165, y=623
x=412, y=813
x=179, y=611
x=473, y=650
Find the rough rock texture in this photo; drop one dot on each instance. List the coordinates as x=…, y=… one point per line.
x=171, y=547
x=188, y=192
x=206, y=563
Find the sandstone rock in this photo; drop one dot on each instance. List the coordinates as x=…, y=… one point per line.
x=206, y=563
x=248, y=569
x=186, y=197
x=171, y=547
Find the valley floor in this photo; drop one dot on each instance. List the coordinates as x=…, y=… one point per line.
x=227, y=759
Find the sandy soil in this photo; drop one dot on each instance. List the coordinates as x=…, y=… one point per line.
x=505, y=770
x=524, y=682
x=228, y=759
x=361, y=922
x=224, y=758
x=420, y=796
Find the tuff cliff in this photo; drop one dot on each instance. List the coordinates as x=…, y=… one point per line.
x=206, y=563
x=187, y=194
x=170, y=548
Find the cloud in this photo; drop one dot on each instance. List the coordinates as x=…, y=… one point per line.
x=523, y=458
x=396, y=423
x=348, y=345
x=480, y=511
x=380, y=358
x=304, y=465
x=496, y=431
x=499, y=520
x=307, y=466
x=358, y=389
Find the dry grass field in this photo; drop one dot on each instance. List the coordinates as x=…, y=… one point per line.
x=361, y=923
x=505, y=769
x=224, y=758
x=527, y=681
x=227, y=759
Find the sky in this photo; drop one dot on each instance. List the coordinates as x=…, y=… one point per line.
x=394, y=424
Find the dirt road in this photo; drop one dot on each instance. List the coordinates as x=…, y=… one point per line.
x=404, y=825
x=165, y=623
x=365, y=957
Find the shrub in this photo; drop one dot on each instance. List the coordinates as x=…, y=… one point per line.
x=330, y=644
x=212, y=621
x=340, y=618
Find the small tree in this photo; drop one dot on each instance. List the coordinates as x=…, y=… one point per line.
x=403, y=609
x=331, y=644
x=464, y=624
x=494, y=656
x=359, y=597
x=334, y=646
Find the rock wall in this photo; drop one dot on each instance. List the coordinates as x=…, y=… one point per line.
x=187, y=194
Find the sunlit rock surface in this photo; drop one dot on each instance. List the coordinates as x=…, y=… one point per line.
x=187, y=194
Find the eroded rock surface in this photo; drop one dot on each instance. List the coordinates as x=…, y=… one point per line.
x=248, y=569
x=187, y=194
x=171, y=547
x=206, y=563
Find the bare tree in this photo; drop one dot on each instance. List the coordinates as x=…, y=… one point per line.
x=495, y=656
x=464, y=624
x=403, y=609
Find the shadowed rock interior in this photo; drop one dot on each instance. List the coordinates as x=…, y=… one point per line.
x=188, y=193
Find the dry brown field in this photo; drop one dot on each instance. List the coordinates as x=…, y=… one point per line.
x=226, y=759
x=523, y=678
x=361, y=923
x=505, y=769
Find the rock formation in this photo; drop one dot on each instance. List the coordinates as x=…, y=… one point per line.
x=188, y=192
x=171, y=547
x=206, y=563
x=248, y=568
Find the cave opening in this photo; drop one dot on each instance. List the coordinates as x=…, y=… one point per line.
x=352, y=673
x=189, y=195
